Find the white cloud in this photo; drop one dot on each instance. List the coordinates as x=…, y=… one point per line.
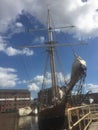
x=81, y=14
x=91, y=87
x=40, y=39
x=10, y=51
x=19, y=25
x=8, y=77
x=33, y=87
x=8, y=12
x=22, y=82
x=27, y=52
x=66, y=12
x=15, y=28
x=36, y=83
x=62, y=78
x=38, y=79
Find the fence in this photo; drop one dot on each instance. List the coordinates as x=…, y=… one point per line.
x=79, y=118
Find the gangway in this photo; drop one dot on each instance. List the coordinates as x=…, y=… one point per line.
x=83, y=117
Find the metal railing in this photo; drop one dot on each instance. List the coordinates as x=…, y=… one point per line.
x=79, y=118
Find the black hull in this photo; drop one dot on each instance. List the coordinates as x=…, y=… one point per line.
x=56, y=111
x=54, y=123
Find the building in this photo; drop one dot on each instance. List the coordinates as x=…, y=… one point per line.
x=93, y=96
x=12, y=99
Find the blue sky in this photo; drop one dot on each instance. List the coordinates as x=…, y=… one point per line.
x=23, y=67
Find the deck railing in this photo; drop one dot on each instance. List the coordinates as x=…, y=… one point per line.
x=79, y=118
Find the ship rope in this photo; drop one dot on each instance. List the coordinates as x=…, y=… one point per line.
x=79, y=89
x=45, y=73
x=61, y=67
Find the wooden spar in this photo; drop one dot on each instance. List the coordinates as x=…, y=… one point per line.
x=52, y=60
x=53, y=45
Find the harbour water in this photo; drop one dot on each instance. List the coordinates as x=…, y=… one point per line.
x=11, y=121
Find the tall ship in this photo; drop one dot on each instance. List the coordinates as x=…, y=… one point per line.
x=54, y=100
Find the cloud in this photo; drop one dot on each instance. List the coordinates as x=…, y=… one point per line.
x=19, y=25
x=82, y=14
x=63, y=78
x=10, y=51
x=91, y=87
x=22, y=82
x=8, y=12
x=8, y=77
x=36, y=83
x=33, y=87
x=70, y=12
x=40, y=39
x=14, y=28
x=38, y=79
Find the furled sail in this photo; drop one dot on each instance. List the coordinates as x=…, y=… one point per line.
x=78, y=71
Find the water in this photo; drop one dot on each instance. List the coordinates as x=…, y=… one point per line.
x=12, y=122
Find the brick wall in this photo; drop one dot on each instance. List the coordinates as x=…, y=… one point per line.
x=11, y=100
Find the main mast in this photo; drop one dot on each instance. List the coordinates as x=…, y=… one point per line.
x=52, y=60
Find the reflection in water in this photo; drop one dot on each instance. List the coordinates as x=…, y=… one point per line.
x=28, y=123
x=23, y=121
x=12, y=122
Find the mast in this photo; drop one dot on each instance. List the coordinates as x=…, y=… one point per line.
x=52, y=60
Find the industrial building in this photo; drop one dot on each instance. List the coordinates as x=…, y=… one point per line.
x=12, y=99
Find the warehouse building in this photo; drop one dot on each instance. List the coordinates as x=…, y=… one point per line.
x=12, y=99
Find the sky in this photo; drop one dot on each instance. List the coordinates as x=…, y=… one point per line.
x=22, y=67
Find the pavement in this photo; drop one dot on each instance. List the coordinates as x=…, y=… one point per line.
x=93, y=126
